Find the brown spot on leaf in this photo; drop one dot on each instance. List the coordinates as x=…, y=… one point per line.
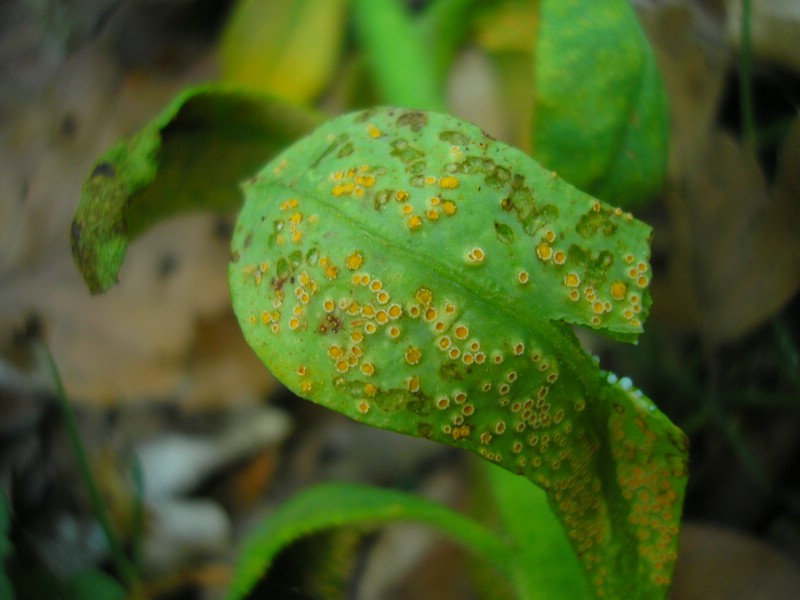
x=414, y=120
x=104, y=169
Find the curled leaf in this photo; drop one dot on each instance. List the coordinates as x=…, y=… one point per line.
x=408, y=271
x=333, y=506
x=190, y=157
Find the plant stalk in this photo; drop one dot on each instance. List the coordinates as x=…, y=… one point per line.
x=124, y=567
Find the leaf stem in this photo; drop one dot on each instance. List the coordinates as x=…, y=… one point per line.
x=137, y=552
x=126, y=570
x=746, y=74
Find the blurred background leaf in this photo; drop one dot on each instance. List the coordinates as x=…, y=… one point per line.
x=289, y=49
x=737, y=252
x=607, y=137
x=583, y=82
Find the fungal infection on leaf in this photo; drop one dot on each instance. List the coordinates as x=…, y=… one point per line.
x=423, y=275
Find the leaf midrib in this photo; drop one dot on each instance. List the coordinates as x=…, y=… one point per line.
x=556, y=331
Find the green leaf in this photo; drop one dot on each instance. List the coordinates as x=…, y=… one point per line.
x=287, y=48
x=370, y=275
x=396, y=55
x=6, y=590
x=600, y=110
x=91, y=584
x=190, y=157
x=94, y=585
x=318, y=566
x=332, y=506
x=444, y=27
x=544, y=564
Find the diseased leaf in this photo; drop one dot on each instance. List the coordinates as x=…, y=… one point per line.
x=600, y=112
x=333, y=506
x=286, y=48
x=190, y=157
x=368, y=275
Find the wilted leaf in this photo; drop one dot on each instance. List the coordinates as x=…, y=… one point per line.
x=218, y=135
x=694, y=73
x=406, y=270
x=733, y=242
x=737, y=253
x=133, y=342
x=286, y=48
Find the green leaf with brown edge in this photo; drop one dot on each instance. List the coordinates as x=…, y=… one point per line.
x=600, y=115
x=190, y=157
x=406, y=270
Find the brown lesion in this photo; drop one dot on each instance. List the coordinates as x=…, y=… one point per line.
x=329, y=324
x=277, y=283
x=414, y=120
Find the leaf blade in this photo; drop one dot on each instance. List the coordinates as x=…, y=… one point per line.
x=370, y=275
x=545, y=565
x=608, y=137
x=337, y=505
x=285, y=48
x=190, y=157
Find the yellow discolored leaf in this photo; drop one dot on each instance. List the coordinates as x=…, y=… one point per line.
x=287, y=48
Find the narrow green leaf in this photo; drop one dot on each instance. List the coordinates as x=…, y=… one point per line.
x=396, y=55
x=444, y=27
x=94, y=585
x=544, y=564
x=332, y=506
x=190, y=157
x=369, y=276
x=319, y=566
x=6, y=590
x=600, y=111
x=286, y=48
